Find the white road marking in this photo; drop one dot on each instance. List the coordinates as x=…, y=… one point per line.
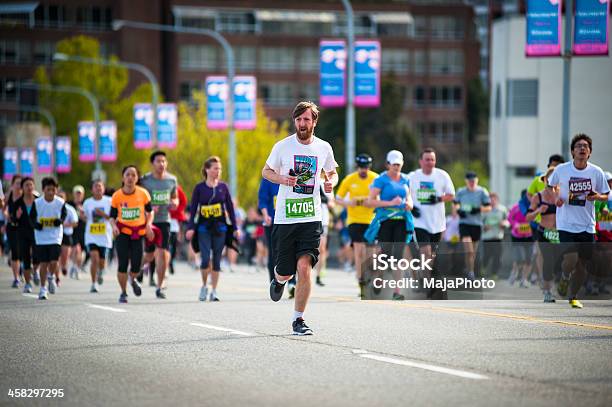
x=30, y=295
x=106, y=308
x=359, y=351
x=425, y=366
x=220, y=328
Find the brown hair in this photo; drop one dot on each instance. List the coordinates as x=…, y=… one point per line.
x=213, y=159
x=548, y=173
x=302, y=107
x=582, y=136
x=426, y=151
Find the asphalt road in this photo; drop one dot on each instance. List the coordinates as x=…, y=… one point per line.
x=180, y=351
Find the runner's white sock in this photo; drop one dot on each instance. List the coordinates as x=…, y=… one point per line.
x=297, y=314
x=280, y=282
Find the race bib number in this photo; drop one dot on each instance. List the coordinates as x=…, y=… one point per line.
x=579, y=188
x=551, y=235
x=47, y=222
x=211, y=211
x=425, y=192
x=299, y=208
x=160, y=198
x=97, y=229
x=130, y=213
x=524, y=228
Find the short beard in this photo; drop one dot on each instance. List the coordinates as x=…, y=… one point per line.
x=304, y=136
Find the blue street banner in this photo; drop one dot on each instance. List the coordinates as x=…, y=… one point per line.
x=143, y=122
x=108, y=141
x=44, y=155
x=26, y=162
x=63, y=160
x=166, y=125
x=332, y=78
x=543, y=28
x=87, y=142
x=245, y=99
x=367, y=73
x=10, y=164
x=591, y=22
x=216, y=101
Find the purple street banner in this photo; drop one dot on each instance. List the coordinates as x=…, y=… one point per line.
x=245, y=98
x=166, y=125
x=87, y=142
x=591, y=21
x=108, y=141
x=44, y=155
x=26, y=162
x=543, y=28
x=367, y=73
x=332, y=69
x=10, y=164
x=63, y=149
x=216, y=101
x=143, y=122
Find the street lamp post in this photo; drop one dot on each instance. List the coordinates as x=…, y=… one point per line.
x=229, y=53
x=52, y=124
x=98, y=173
x=350, y=105
x=58, y=56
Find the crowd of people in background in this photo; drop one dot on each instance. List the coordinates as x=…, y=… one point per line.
x=149, y=223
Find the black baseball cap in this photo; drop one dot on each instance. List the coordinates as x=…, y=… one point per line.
x=470, y=175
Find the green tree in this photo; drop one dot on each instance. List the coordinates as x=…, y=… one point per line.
x=477, y=108
x=108, y=84
x=378, y=130
x=458, y=169
x=197, y=143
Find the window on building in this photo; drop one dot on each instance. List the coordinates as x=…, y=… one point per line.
x=198, y=22
x=419, y=96
x=522, y=97
x=524, y=172
x=363, y=26
x=43, y=52
x=420, y=61
x=446, y=61
x=395, y=60
x=14, y=52
x=277, y=93
x=420, y=26
x=309, y=91
x=245, y=58
x=309, y=59
x=236, y=22
x=447, y=28
x=277, y=59
x=8, y=89
x=198, y=57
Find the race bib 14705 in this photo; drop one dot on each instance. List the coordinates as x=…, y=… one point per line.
x=299, y=208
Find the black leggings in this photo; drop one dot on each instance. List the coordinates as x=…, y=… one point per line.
x=27, y=248
x=392, y=237
x=13, y=240
x=129, y=252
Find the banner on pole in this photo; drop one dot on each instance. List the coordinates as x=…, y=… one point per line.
x=44, y=155
x=108, y=141
x=87, y=142
x=10, y=162
x=543, y=28
x=367, y=73
x=591, y=26
x=63, y=160
x=245, y=100
x=26, y=162
x=216, y=101
x=143, y=125
x=332, y=78
x=166, y=125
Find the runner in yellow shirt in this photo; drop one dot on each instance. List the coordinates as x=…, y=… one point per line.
x=353, y=191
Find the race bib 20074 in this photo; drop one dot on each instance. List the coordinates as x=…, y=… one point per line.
x=299, y=208
x=130, y=213
x=425, y=191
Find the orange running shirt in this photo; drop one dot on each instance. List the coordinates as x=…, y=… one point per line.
x=131, y=208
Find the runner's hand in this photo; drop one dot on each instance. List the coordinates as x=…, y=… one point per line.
x=592, y=196
x=475, y=211
x=116, y=231
x=560, y=202
x=397, y=201
x=289, y=180
x=149, y=233
x=19, y=212
x=543, y=208
x=189, y=234
x=267, y=220
x=416, y=212
x=328, y=187
x=462, y=213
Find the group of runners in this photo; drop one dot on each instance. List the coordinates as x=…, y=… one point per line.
x=139, y=220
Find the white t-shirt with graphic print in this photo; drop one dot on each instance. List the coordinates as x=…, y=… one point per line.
x=302, y=203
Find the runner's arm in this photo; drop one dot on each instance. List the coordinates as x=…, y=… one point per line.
x=533, y=210
x=374, y=202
